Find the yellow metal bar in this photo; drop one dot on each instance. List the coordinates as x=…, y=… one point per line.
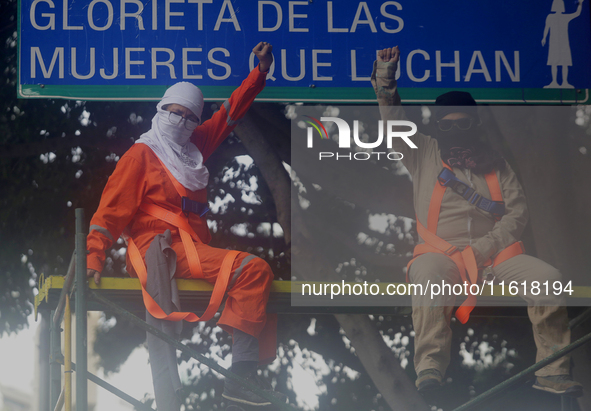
x=125, y=288
x=131, y=284
x=68, y=355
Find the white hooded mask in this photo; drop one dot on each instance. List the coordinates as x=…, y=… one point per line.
x=171, y=143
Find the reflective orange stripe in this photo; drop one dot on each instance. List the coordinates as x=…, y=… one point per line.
x=191, y=253
x=464, y=260
x=493, y=186
x=510, y=251
x=435, y=207
x=464, y=310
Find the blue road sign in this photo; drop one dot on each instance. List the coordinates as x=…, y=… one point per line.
x=134, y=48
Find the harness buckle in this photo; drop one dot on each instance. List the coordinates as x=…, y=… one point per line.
x=487, y=275
x=475, y=199
x=485, y=204
x=443, y=180
x=462, y=190
x=190, y=206
x=451, y=250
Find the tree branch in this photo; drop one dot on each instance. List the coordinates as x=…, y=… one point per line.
x=391, y=379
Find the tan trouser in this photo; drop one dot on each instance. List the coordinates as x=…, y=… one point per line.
x=431, y=317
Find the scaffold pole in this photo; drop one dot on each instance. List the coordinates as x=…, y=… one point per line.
x=81, y=331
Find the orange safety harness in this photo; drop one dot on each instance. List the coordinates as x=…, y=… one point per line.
x=465, y=260
x=188, y=235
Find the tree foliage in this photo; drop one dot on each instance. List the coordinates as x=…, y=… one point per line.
x=57, y=155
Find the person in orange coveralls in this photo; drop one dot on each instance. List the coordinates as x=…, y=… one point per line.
x=157, y=195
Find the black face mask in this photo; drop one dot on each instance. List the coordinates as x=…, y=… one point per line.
x=467, y=149
x=458, y=138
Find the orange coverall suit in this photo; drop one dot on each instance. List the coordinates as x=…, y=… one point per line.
x=139, y=177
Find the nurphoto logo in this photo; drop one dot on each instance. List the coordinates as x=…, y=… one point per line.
x=394, y=129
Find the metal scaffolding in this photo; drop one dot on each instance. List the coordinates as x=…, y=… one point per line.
x=75, y=284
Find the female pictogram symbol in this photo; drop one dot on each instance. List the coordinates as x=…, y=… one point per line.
x=559, y=46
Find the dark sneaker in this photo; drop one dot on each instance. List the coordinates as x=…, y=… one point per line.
x=233, y=391
x=559, y=384
x=428, y=380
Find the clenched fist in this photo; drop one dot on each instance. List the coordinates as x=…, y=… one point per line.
x=389, y=55
x=263, y=52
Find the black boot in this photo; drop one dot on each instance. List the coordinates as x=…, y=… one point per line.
x=234, y=391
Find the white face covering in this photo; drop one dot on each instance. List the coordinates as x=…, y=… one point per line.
x=170, y=142
x=177, y=133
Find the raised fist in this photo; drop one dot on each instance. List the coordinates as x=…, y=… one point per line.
x=263, y=52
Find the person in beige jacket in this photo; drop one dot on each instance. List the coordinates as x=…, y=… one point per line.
x=473, y=235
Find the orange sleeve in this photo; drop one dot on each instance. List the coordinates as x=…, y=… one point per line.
x=208, y=136
x=120, y=201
